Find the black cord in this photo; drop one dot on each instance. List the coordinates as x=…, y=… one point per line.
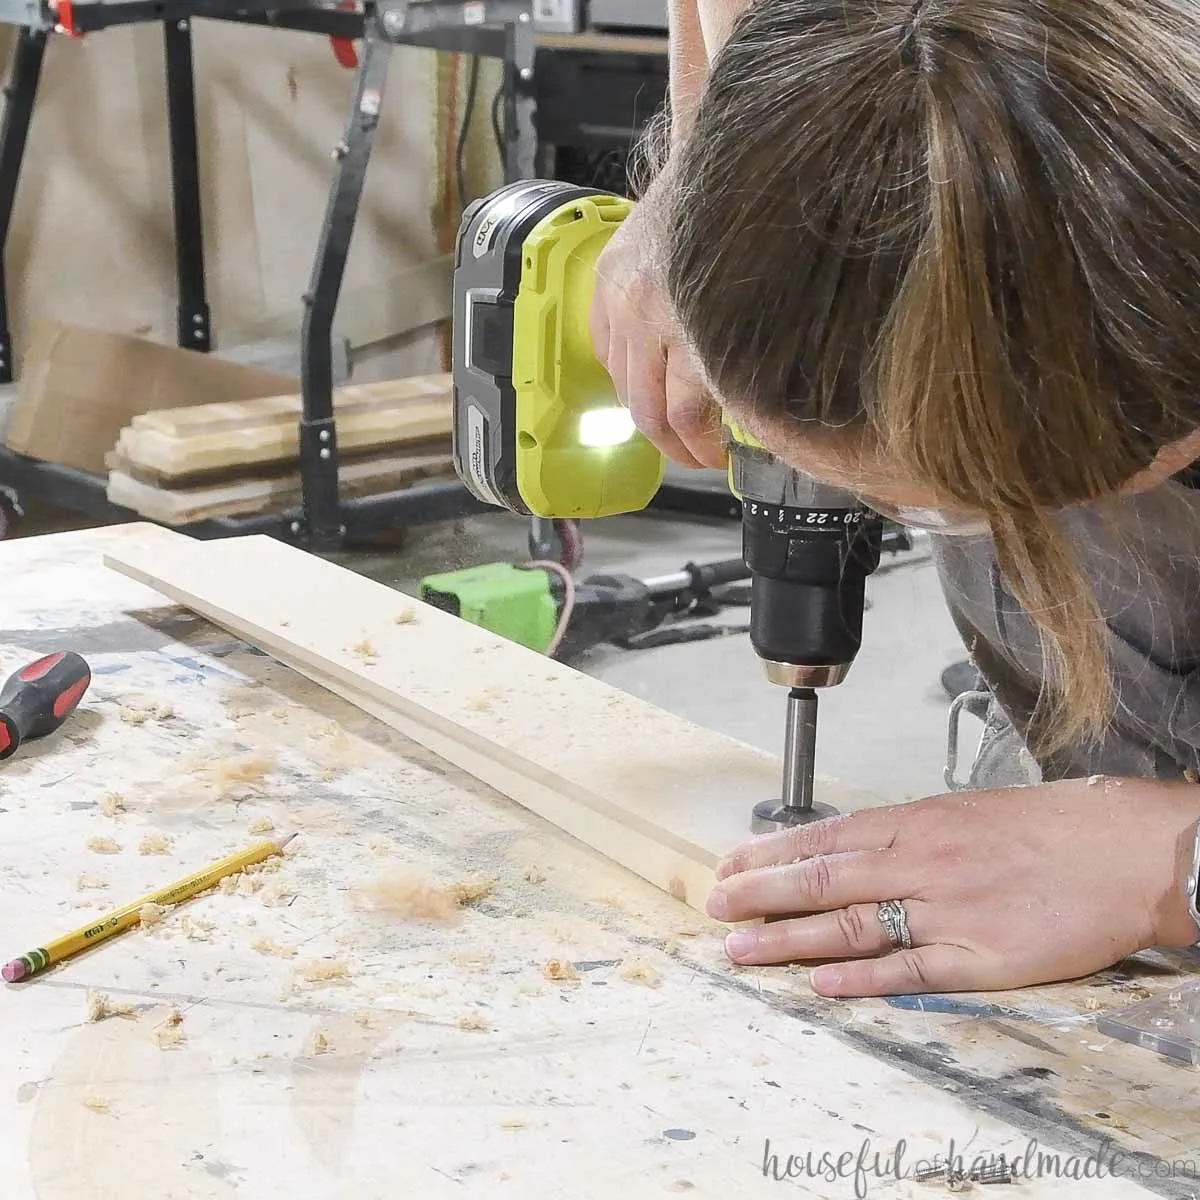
x=465, y=130
x=497, y=132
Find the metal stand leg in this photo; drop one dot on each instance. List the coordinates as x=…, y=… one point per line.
x=322, y=524
x=19, y=96
x=520, y=134
x=195, y=329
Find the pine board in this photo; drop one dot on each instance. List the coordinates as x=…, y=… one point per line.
x=176, y=444
x=647, y=789
x=180, y=506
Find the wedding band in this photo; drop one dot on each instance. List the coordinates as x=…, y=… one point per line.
x=894, y=920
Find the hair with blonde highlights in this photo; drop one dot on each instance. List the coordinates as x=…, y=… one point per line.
x=969, y=229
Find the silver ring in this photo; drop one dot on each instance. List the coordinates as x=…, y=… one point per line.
x=894, y=919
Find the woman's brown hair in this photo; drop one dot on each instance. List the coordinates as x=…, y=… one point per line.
x=968, y=228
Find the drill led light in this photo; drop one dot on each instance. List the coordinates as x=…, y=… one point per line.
x=604, y=427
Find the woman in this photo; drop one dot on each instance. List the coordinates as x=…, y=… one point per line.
x=947, y=254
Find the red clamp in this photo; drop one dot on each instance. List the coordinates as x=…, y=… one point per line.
x=343, y=48
x=64, y=12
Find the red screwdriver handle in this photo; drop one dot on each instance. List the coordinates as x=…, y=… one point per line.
x=40, y=697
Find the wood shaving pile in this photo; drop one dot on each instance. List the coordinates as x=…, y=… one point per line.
x=534, y=874
x=321, y=1043
x=474, y=1021
x=155, y=843
x=139, y=714
x=406, y=616
x=324, y=971
x=263, y=825
x=151, y=914
x=103, y=845
x=247, y=885
x=266, y=946
x=196, y=930
x=366, y=651
x=97, y=1104
x=240, y=775
x=100, y=1008
x=112, y=804
x=88, y=883
x=169, y=1032
x=408, y=895
x=560, y=971
x=636, y=970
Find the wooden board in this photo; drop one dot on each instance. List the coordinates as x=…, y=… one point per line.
x=180, y=506
x=285, y=409
x=649, y=790
x=180, y=444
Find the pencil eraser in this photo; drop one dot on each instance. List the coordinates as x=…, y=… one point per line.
x=14, y=971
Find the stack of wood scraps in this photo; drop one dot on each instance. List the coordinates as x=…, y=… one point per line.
x=182, y=465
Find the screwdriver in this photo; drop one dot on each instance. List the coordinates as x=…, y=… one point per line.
x=40, y=697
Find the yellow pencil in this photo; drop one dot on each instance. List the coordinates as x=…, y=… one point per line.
x=131, y=915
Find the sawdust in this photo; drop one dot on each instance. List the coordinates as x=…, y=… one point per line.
x=103, y=845
x=151, y=914
x=168, y=1033
x=90, y=883
x=323, y=971
x=277, y=895
x=321, y=1043
x=169, y=1038
x=409, y=896
x=534, y=874
x=381, y=846
x=101, y=1008
x=112, y=804
x=229, y=884
x=155, y=843
x=474, y=1022
x=138, y=713
x=637, y=970
x=513, y=1123
x=98, y=1104
x=262, y=825
x=366, y=651
x=328, y=776
x=481, y=702
x=247, y=885
x=240, y=775
x=472, y=959
x=406, y=616
x=363, y=1018
x=196, y=930
x=266, y=946
x=1092, y=1004
x=560, y=972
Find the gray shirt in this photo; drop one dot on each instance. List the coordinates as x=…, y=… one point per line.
x=1142, y=555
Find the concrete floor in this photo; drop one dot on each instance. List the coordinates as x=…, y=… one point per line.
x=882, y=731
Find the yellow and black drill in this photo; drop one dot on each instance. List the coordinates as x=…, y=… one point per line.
x=539, y=430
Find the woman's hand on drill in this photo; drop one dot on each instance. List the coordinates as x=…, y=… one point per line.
x=1001, y=889
x=636, y=338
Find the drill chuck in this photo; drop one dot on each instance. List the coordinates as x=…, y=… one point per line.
x=809, y=548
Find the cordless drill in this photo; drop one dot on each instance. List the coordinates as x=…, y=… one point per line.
x=539, y=430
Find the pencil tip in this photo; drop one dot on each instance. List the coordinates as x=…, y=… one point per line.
x=284, y=841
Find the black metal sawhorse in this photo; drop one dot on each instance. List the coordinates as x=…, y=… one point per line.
x=501, y=29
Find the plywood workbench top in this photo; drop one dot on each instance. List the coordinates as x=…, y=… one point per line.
x=332, y=1051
